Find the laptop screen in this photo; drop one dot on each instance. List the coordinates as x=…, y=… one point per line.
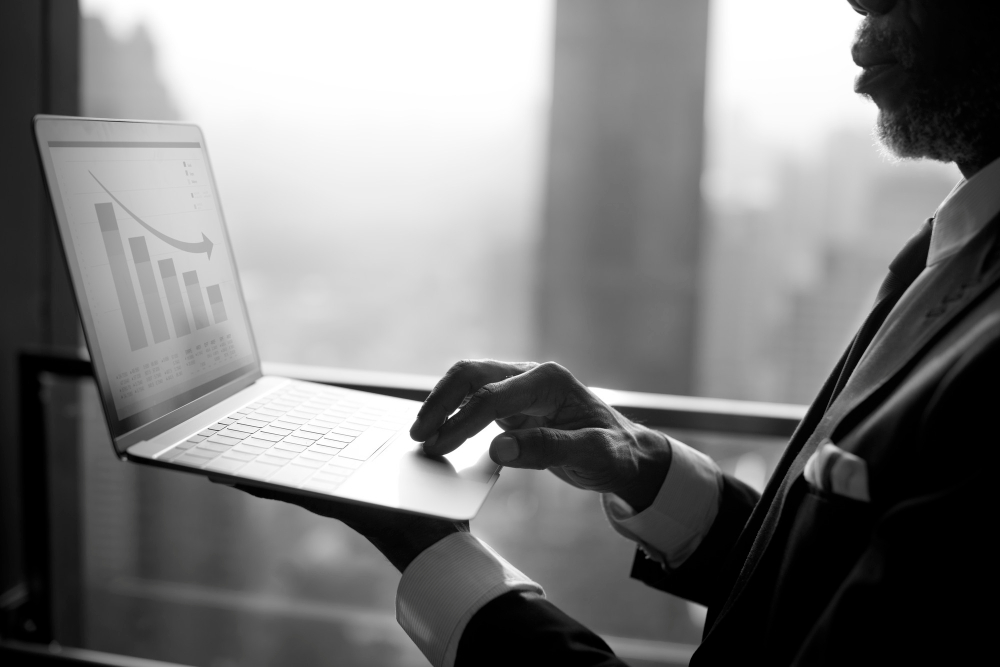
x=151, y=263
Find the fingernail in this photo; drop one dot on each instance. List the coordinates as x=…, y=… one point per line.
x=506, y=448
x=429, y=442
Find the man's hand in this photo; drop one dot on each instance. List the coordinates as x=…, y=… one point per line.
x=551, y=421
x=399, y=536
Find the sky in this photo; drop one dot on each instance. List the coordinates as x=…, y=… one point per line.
x=411, y=78
x=448, y=99
x=343, y=59
x=337, y=99
x=784, y=65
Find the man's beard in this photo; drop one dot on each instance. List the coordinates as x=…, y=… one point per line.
x=953, y=113
x=958, y=125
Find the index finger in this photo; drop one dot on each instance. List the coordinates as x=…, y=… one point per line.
x=463, y=378
x=535, y=393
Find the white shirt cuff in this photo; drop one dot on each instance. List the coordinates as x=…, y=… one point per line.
x=672, y=527
x=445, y=586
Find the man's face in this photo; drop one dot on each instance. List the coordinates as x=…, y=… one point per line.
x=933, y=69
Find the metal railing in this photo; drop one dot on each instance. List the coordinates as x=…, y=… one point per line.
x=25, y=654
x=28, y=607
x=748, y=418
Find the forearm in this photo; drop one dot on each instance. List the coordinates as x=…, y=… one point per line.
x=402, y=540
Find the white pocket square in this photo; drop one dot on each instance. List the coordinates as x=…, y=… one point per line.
x=835, y=471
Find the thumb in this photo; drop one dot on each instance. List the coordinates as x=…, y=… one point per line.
x=539, y=448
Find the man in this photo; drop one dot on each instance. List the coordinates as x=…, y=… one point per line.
x=871, y=543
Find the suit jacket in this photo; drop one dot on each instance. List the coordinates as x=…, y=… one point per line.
x=799, y=576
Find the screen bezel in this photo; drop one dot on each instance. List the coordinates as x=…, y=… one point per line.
x=59, y=128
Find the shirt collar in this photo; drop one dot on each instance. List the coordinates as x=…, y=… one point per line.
x=965, y=211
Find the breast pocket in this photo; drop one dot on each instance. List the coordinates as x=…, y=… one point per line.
x=837, y=472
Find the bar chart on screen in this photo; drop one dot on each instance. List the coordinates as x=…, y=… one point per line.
x=152, y=251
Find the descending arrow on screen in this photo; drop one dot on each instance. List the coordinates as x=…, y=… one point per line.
x=205, y=245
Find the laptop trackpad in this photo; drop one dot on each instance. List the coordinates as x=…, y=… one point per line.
x=452, y=486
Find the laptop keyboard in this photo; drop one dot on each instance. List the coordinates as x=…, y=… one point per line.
x=307, y=436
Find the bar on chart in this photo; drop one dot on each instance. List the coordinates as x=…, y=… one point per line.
x=218, y=307
x=182, y=327
x=196, y=300
x=150, y=292
x=120, y=275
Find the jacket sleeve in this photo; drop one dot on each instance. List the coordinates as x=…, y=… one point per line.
x=695, y=580
x=922, y=590
x=522, y=628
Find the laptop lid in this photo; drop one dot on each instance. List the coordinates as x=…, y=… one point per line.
x=151, y=264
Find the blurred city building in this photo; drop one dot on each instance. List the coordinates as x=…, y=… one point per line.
x=120, y=77
x=788, y=278
x=620, y=251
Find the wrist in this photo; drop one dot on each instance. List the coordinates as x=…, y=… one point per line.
x=654, y=455
x=402, y=543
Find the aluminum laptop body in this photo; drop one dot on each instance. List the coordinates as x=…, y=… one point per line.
x=174, y=356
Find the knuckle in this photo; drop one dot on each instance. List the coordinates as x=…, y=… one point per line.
x=555, y=371
x=460, y=367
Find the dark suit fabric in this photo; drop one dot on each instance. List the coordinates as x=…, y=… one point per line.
x=802, y=577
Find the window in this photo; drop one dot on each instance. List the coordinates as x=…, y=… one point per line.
x=399, y=180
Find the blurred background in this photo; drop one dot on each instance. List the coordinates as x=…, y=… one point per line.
x=677, y=197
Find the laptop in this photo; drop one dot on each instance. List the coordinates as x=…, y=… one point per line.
x=174, y=357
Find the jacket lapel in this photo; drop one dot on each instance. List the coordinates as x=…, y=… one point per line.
x=958, y=282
